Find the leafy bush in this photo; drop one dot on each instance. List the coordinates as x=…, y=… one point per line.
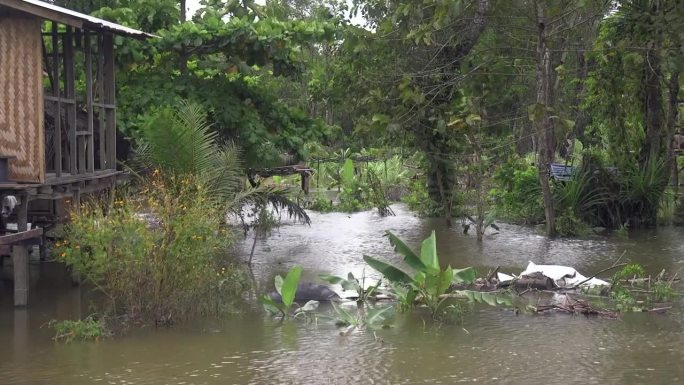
x=517, y=193
x=419, y=200
x=80, y=330
x=322, y=204
x=567, y=224
x=355, y=196
x=158, y=254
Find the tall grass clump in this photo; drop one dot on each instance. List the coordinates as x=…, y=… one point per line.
x=158, y=254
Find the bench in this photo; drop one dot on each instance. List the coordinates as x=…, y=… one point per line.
x=561, y=172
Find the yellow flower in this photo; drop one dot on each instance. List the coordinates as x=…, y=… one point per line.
x=63, y=255
x=77, y=247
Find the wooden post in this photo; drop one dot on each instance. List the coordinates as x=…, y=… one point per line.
x=70, y=93
x=87, y=46
x=20, y=258
x=109, y=100
x=57, y=136
x=100, y=99
x=76, y=201
x=305, y=182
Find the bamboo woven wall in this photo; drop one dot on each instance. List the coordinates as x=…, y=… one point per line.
x=21, y=98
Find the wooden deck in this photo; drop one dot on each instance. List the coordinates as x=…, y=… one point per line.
x=64, y=186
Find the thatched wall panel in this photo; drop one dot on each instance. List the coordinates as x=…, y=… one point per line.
x=21, y=98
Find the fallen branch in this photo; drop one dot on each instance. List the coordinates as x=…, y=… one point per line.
x=600, y=272
x=493, y=273
x=659, y=309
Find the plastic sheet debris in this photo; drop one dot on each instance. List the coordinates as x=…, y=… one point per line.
x=564, y=277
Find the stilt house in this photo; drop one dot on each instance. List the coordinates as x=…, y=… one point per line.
x=57, y=116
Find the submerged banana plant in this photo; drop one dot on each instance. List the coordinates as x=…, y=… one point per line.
x=430, y=283
x=351, y=283
x=287, y=288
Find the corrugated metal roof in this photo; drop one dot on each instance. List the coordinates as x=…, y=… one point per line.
x=60, y=14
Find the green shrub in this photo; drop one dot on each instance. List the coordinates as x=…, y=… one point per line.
x=517, y=193
x=158, y=254
x=79, y=330
x=355, y=196
x=567, y=225
x=419, y=201
x=322, y=204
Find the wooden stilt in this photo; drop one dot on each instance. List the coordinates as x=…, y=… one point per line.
x=21, y=274
x=305, y=182
x=20, y=257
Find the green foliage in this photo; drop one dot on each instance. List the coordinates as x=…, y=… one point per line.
x=361, y=192
x=517, y=194
x=489, y=298
x=87, y=329
x=624, y=299
x=419, y=201
x=182, y=141
x=579, y=198
x=663, y=291
x=351, y=283
x=157, y=253
x=629, y=271
x=287, y=288
x=429, y=283
x=667, y=208
x=632, y=290
x=355, y=196
x=568, y=225
x=642, y=191
x=322, y=204
x=347, y=172
x=372, y=317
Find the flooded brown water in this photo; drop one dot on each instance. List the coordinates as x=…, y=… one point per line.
x=491, y=345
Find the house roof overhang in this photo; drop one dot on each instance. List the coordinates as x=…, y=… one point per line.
x=71, y=18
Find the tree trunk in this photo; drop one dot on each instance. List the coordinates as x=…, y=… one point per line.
x=582, y=118
x=441, y=170
x=672, y=114
x=183, y=56
x=545, y=133
x=654, y=108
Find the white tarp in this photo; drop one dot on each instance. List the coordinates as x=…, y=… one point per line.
x=563, y=276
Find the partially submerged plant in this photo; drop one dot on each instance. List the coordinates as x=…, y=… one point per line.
x=373, y=317
x=158, y=254
x=430, y=282
x=632, y=290
x=86, y=329
x=287, y=288
x=351, y=283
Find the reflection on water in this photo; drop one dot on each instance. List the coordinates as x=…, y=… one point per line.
x=492, y=345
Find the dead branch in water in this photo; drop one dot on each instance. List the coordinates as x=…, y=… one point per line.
x=613, y=266
x=572, y=306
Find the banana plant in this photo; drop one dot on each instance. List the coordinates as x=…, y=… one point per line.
x=351, y=283
x=287, y=288
x=371, y=318
x=429, y=283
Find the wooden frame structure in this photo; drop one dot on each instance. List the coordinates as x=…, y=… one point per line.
x=57, y=116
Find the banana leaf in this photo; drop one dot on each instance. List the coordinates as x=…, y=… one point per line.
x=428, y=253
x=410, y=257
x=466, y=275
x=388, y=271
x=288, y=286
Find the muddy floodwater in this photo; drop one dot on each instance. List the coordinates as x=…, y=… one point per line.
x=491, y=345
